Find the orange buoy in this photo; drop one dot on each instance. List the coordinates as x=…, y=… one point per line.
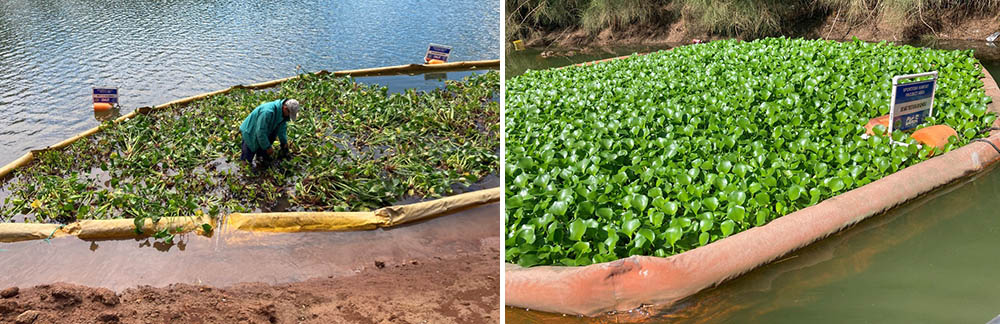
x=435, y=62
x=881, y=120
x=936, y=136
x=101, y=106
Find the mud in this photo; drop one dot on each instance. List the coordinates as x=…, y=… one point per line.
x=460, y=288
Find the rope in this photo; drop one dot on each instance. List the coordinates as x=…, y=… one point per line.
x=987, y=142
x=53, y=234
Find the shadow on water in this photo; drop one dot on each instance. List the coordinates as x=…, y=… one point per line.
x=931, y=260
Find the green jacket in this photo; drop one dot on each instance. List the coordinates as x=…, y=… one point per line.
x=265, y=120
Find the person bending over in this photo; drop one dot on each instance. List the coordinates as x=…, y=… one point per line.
x=267, y=122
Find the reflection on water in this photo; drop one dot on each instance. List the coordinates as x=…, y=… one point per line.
x=53, y=51
x=107, y=114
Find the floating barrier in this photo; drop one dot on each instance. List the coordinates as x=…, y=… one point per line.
x=102, y=106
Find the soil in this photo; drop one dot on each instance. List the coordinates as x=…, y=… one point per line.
x=461, y=288
x=675, y=28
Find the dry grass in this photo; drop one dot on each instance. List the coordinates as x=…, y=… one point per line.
x=741, y=18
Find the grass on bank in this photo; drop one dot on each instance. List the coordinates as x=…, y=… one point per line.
x=746, y=18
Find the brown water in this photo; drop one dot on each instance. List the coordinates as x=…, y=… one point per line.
x=229, y=258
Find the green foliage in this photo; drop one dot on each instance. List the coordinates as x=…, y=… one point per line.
x=661, y=153
x=354, y=147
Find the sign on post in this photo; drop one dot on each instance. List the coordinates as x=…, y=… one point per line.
x=437, y=52
x=106, y=95
x=518, y=45
x=912, y=102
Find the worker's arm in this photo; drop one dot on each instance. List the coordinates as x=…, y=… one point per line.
x=283, y=134
x=263, y=142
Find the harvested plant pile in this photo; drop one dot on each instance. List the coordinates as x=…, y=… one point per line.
x=661, y=153
x=354, y=147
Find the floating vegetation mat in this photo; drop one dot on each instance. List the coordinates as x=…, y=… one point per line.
x=354, y=148
x=662, y=153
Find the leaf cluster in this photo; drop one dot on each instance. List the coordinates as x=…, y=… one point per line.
x=662, y=153
x=355, y=147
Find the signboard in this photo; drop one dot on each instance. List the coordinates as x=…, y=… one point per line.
x=106, y=95
x=518, y=45
x=912, y=102
x=437, y=52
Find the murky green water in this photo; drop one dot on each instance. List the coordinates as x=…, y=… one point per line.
x=933, y=260
x=52, y=52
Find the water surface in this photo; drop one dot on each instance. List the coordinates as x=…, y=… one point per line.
x=52, y=52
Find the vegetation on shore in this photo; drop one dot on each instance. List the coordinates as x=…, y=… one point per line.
x=739, y=18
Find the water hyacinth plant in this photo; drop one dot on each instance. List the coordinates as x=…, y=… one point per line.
x=354, y=147
x=662, y=153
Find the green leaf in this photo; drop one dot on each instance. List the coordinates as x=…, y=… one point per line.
x=648, y=234
x=639, y=202
x=673, y=235
x=737, y=197
x=736, y=213
x=710, y=203
x=727, y=227
x=576, y=230
x=558, y=208
x=630, y=226
x=795, y=191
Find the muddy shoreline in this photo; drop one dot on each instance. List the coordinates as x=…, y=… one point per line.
x=459, y=289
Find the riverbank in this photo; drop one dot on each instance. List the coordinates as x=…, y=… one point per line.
x=459, y=288
x=677, y=23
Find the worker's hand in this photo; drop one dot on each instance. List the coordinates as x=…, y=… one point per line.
x=270, y=151
x=284, y=151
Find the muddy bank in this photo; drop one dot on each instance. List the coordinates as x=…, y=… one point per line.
x=676, y=28
x=443, y=270
x=462, y=288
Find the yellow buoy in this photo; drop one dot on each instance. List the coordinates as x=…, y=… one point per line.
x=435, y=62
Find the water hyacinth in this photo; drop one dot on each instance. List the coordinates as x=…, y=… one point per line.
x=354, y=147
x=662, y=153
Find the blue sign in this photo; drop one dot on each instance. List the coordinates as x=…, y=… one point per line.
x=914, y=91
x=106, y=95
x=911, y=102
x=437, y=52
